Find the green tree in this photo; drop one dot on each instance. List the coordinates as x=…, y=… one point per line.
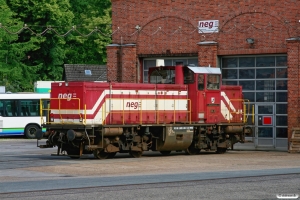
x=89, y=15
x=35, y=54
x=14, y=74
x=39, y=15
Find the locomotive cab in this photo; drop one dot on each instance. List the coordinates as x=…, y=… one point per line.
x=205, y=94
x=204, y=88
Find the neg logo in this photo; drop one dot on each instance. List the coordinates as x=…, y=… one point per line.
x=67, y=96
x=134, y=105
x=287, y=196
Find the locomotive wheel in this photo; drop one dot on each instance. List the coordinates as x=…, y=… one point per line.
x=165, y=153
x=221, y=150
x=100, y=154
x=192, y=150
x=111, y=155
x=136, y=154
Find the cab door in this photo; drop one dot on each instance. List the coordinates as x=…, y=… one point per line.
x=201, y=98
x=212, y=98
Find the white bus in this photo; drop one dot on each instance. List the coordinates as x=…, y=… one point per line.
x=20, y=113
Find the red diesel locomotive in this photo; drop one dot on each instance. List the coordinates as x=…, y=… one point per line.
x=182, y=108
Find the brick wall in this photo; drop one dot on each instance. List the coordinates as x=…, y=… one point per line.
x=112, y=62
x=207, y=53
x=171, y=25
x=293, y=50
x=121, y=63
x=169, y=28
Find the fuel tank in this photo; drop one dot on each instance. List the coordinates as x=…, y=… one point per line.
x=175, y=138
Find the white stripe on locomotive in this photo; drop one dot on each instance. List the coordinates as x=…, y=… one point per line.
x=117, y=104
x=225, y=111
x=223, y=94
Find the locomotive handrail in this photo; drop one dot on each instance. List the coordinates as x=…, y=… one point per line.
x=103, y=113
x=253, y=114
x=246, y=118
x=139, y=110
x=82, y=117
x=244, y=109
x=42, y=109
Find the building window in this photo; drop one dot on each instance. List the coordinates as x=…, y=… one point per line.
x=264, y=81
x=151, y=62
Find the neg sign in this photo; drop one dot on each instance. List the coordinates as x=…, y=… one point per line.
x=208, y=26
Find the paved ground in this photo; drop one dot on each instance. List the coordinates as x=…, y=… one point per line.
x=25, y=156
x=176, y=163
x=33, y=173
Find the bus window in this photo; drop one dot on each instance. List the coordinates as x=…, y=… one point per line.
x=213, y=82
x=30, y=107
x=34, y=108
x=23, y=107
x=11, y=108
x=1, y=108
x=46, y=106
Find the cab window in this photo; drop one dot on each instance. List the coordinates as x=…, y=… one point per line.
x=201, y=82
x=213, y=82
x=188, y=76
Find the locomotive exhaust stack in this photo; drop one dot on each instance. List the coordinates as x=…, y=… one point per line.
x=192, y=112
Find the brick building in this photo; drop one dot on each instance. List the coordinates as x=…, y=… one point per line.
x=255, y=43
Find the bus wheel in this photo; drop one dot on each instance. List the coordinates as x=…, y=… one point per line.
x=31, y=130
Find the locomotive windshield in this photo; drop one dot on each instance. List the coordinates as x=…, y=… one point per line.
x=213, y=82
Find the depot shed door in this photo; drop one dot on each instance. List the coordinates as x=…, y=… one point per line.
x=265, y=125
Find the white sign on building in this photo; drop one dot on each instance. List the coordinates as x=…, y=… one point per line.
x=208, y=26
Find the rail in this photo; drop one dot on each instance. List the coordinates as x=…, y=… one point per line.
x=74, y=109
x=155, y=111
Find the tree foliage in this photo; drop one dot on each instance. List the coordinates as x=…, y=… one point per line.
x=40, y=14
x=26, y=57
x=89, y=15
x=14, y=73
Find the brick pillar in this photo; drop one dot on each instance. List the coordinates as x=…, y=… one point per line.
x=129, y=63
x=121, y=63
x=207, y=53
x=112, y=51
x=293, y=54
